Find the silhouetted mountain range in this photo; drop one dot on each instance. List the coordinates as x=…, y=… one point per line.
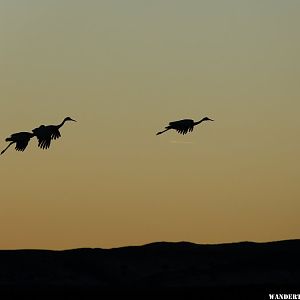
x=160, y=267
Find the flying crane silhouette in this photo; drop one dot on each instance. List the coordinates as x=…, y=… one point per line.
x=183, y=126
x=21, y=139
x=47, y=133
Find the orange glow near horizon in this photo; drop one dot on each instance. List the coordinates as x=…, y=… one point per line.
x=123, y=70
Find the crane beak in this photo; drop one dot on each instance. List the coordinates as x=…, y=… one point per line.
x=210, y=119
x=73, y=120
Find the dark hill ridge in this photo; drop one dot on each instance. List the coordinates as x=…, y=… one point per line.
x=157, y=266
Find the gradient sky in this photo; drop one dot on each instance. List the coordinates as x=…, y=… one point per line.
x=124, y=69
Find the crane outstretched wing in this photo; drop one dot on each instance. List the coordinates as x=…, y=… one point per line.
x=43, y=135
x=54, y=132
x=22, y=144
x=182, y=130
x=182, y=126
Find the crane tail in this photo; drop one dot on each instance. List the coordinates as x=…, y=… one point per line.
x=6, y=148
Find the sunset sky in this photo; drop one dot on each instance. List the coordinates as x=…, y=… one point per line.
x=124, y=69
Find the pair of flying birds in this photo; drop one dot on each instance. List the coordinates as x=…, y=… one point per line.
x=47, y=133
x=43, y=133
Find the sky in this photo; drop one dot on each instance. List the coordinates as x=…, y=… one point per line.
x=124, y=69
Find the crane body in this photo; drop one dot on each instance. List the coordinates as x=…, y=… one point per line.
x=46, y=133
x=183, y=126
x=21, y=139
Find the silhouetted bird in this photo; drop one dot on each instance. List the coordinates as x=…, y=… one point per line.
x=21, y=139
x=47, y=133
x=183, y=126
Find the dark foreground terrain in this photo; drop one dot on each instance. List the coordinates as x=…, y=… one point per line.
x=243, y=270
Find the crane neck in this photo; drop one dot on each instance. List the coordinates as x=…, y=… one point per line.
x=62, y=123
x=196, y=123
